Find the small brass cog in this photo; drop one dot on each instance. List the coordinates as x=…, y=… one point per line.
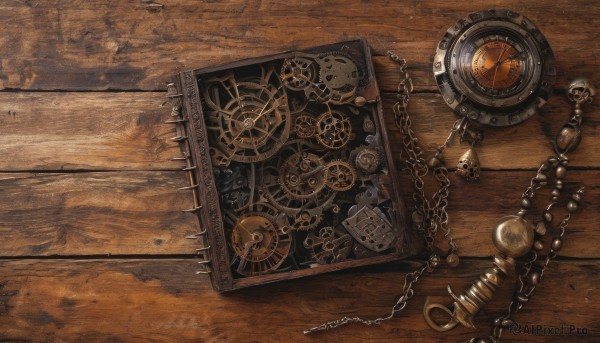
x=333, y=130
x=306, y=219
x=298, y=73
x=301, y=176
x=305, y=126
x=340, y=175
x=368, y=160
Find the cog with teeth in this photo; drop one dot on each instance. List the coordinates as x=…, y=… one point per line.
x=340, y=175
x=333, y=130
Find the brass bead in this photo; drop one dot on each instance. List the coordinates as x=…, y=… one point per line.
x=572, y=206
x=360, y=101
x=542, y=178
x=513, y=236
x=434, y=162
x=552, y=159
x=507, y=322
x=534, y=278
x=557, y=243
x=578, y=111
x=538, y=245
x=561, y=172
x=452, y=260
x=576, y=197
x=540, y=228
x=435, y=261
x=568, y=138
x=417, y=217
x=555, y=192
x=548, y=217
x=554, y=199
x=525, y=203
x=558, y=184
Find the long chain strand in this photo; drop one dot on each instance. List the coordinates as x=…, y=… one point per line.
x=531, y=274
x=428, y=215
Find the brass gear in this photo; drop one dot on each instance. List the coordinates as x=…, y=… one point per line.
x=329, y=245
x=368, y=160
x=338, y=72
x=340, y=76
x=260, y=246
x=249, y=121
x=340, y=175
x=333, y=130
x=305, y=126
x=300, y=175
x=307, y=219
x=298, y=73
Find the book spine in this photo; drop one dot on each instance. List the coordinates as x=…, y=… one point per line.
x=181, y=137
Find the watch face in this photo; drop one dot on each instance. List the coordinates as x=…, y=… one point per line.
x=494, y=67
x=497, y=68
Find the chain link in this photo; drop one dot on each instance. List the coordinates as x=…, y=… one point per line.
x=429, y=215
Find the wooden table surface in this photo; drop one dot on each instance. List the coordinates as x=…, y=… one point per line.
x=92, y=239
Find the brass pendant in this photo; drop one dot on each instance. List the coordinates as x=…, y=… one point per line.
x=468, y=165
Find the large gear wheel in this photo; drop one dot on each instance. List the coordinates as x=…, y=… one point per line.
x=250, y=120
x=333, y=130
x=340, y=175
x=272, y=174
x=338, y=72
x=260, y=246
x=301, y=175
x=340, y=75
x=305, y=126
x=298, y=73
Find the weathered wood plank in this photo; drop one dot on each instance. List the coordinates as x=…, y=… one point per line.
x=162, y=300
x=125, y=131
x=139, y=213
x=94, y=213
x=70, y=131
x=98, y=45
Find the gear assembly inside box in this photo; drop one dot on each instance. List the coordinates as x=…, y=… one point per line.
x=290, y=166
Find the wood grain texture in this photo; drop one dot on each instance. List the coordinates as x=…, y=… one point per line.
x=85, y=172
x=135, y=213
x=85, y=45
x=162, y=301
x=125, y=131
x=73, y=131
x=95, y=214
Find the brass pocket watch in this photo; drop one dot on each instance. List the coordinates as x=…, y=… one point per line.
x=495, y=68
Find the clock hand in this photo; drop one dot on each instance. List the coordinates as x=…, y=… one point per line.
x=509, y=58
x=498, y=65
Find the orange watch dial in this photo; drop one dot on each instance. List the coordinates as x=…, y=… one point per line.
x=496, y=65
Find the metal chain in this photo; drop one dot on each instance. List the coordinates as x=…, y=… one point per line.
x=428, y=215
x=532, y=273
x=407, y=294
